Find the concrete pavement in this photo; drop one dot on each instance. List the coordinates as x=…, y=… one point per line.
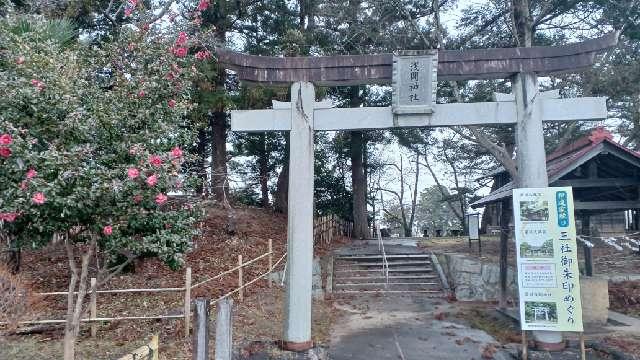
x=405, y=327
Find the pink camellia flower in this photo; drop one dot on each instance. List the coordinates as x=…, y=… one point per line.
x=9, y=216
x=107, y=230
x=38, y=198
x=32, y=173
x=152, y=180
x=20, y=60
x=24, y=184
x=172, y=103
x=203, y=5
x=155, y=160
x=128, y=11
x=6, y=139
x=37, y=84
x=203, y=55
x=170, y=75
x=176, y=152
x=161, y=199
x=180, y=52
x=5, y=152
x=182, y=38
x=141, y=93
x=133, y=3
x=133, y=173
x=137, y=199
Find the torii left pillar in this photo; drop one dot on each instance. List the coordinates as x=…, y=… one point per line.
x=297, y=327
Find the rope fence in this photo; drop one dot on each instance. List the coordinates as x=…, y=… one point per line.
x=186, y=289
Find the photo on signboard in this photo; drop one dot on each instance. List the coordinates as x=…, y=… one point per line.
x=536, y=210
x=537, y=251
x=540, y=312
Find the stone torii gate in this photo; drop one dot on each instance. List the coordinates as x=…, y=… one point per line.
x=414, y=77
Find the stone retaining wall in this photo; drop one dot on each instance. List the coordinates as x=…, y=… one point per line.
x=475, y=280
x=318, y=291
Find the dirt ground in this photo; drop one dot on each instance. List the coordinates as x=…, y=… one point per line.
x=258, y=318
x=483, y=316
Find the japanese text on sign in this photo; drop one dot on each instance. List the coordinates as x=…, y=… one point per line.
x=548, y=276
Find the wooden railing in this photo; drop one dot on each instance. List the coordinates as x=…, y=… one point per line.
x=327, y=228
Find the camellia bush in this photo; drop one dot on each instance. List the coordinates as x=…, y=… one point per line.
x=93, y=143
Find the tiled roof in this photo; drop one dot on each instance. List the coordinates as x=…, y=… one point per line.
x=564, y=160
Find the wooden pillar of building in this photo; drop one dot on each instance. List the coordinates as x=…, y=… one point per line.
x=505, y=217
x=586, y=231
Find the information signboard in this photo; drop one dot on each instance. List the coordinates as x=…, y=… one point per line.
x=548, y=275
x=473, y=224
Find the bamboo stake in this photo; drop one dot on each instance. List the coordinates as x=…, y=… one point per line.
x=583, y=353
x=270, y=261
x=524, y=345
x=93, y=307
x=187, y=302
x=241, y=292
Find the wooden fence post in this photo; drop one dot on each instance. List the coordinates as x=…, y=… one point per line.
x=154, y=346
x=224, y=330
x=270, y=262
x=187, y=302
x=201, y=330
x=94, y=307
x=240, y=282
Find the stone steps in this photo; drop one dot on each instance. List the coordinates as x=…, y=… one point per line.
x=407, y=273
x=403, y=270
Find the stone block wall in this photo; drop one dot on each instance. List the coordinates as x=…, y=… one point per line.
x=318, y=291
x=475, y=280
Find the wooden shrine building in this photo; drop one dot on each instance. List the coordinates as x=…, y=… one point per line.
x=605, y=177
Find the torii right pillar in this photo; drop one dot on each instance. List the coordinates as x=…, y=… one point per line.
x=531, y=162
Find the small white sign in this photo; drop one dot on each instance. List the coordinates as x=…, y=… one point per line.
x=473, y=224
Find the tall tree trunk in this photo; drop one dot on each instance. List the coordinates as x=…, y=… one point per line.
x=219, y=183
x=263, y=163
x=414, y=196
x=281, y=197
x=203, y=187
x=359, y=187
x=522, y=22
x=358, y=177
x=15, y=257
x=75, y=301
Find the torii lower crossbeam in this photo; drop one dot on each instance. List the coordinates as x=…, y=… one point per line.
x=458, y=114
